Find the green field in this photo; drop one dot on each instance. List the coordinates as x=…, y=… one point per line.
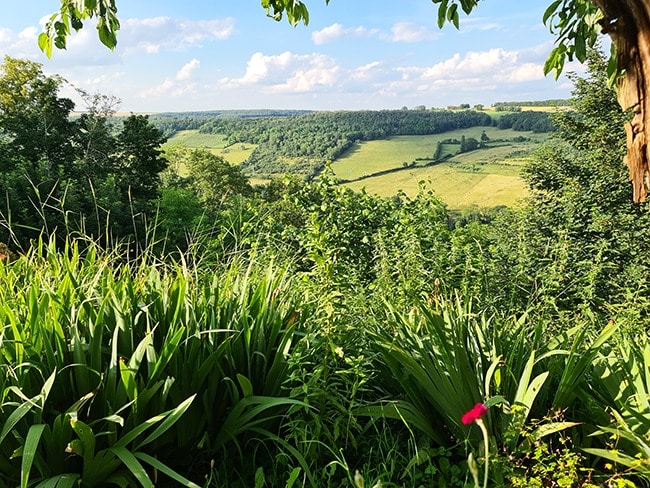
x=484, y=177
x=215, y=143
x=456, y=187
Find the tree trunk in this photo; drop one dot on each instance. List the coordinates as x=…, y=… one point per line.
x=628, y=24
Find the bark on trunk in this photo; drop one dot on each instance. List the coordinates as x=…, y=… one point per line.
x=628, y=24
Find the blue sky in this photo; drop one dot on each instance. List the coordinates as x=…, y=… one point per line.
x=354, y=54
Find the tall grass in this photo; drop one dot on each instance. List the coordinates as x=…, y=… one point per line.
x=132, y=371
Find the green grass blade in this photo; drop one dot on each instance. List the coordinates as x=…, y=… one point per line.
x=29, y=452
x=133, y=465
x=171, y=417
x=67, y=480
x=163, y=468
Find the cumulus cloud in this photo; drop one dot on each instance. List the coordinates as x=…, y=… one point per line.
x=495, y=64
x=337, y=31
x=21, y=45
x=154, y=34
x=410, y=32
x=186, y=71
x=287, y=72
x=179, y=84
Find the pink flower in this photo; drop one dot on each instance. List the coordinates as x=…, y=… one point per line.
x=474, y=414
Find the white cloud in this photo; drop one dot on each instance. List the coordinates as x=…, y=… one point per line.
x=400, y=32
x=495, y=63
x=186, y=71
x=410, y=32
x=365, y=72
x=337, y=31
x=287, y=72
x=524, y=73
x=20, y=45
x=178, y=85
x=154, y=34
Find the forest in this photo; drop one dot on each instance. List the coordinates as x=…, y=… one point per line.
x=196, y=330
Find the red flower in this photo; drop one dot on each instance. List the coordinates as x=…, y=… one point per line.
x=474, y=414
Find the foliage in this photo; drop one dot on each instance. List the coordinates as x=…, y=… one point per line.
x=527, y=121
x=211, y=178
x=302, y=334
x=119, y=366
x=304, y=144
x=83, y=175
x=578, y=235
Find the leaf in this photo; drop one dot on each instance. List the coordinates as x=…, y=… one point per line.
x=67, y=480
x=245, y=384
x=29, y=452
x=163, y=468
x=14, y=418
x=580, y=45
x=293, y=476
x=133, y=465
x=171, y=417
x=128, y=379
x=550, y=10
x=45, y=44
x=452, y=15
x=442, y=13
x=86, y=436
x=552, y=428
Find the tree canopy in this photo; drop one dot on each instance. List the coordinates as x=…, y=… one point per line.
x=576, y=24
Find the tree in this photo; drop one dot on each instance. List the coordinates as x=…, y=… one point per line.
x=33, y=115
x=212, y=178
x=576, y=23
x=580, y=229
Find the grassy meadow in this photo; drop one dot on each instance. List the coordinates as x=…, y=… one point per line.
x=484, y=177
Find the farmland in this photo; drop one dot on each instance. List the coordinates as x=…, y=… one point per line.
x=485, y=177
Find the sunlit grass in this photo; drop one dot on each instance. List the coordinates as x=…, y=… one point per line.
x=458, y=188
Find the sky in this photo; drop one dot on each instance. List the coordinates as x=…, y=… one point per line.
x=193, y=55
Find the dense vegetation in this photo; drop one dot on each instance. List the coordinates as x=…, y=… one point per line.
x=302, y=334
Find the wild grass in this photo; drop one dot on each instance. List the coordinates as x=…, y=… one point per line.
x=127, y=371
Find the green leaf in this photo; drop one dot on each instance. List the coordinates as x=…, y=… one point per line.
x=29, y=452
x=67, y=480
x=245, y=384
x=86, y=436
x=171, y=417
x=468, y=5
x=442, y=13
x=163, y=468
x=45, y=44
x=551, y=428
x=550, y=10
x=452, y=16
x=14, y=418
x=133, y=465
x=293, y=477
x=128, y=379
